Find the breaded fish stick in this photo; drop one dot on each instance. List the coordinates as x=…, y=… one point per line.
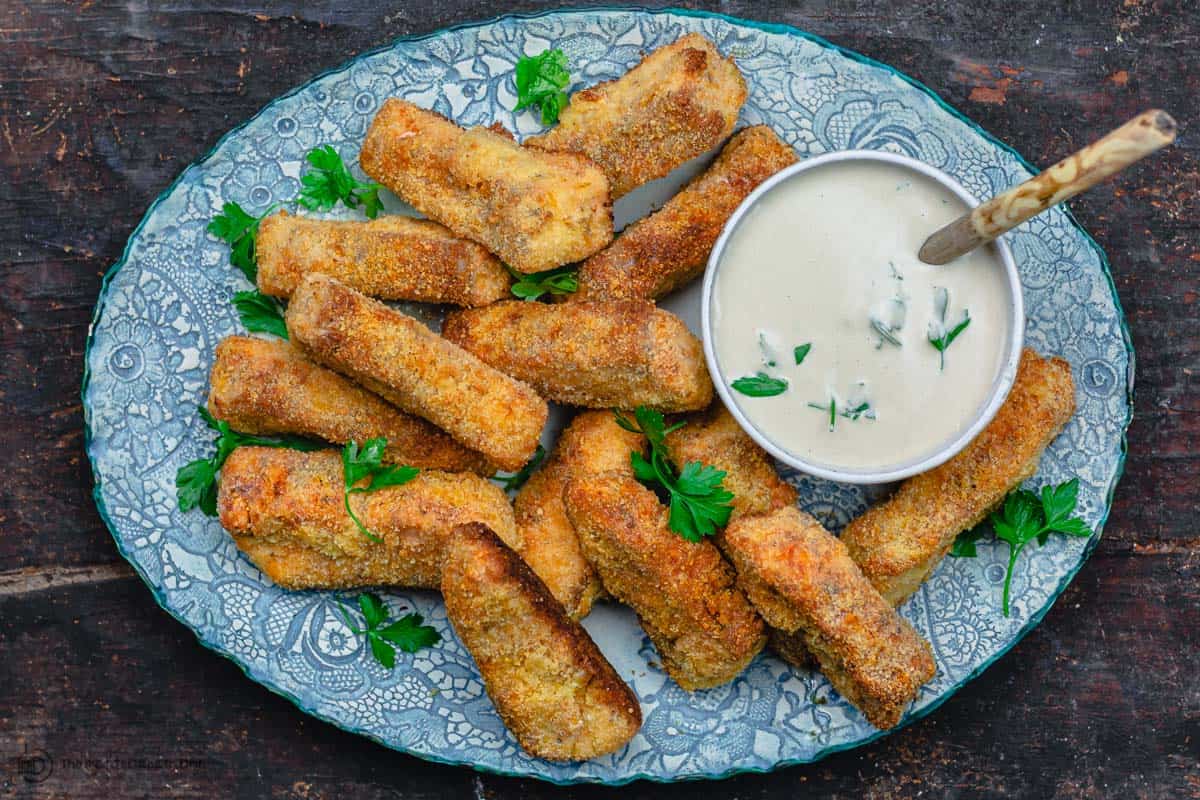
x=715, y=438
x=551, y=685
x=592, y=444
x=683, y=592
x=865, y=648
x=397, y=357
x=286, y=510
x=598, y=355
x=535, y=210
x=662, y=252
x=899, y=542
x=392, y=257
x=682, y=100
x=266, y=386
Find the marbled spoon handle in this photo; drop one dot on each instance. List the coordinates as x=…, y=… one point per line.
x=1078, y=172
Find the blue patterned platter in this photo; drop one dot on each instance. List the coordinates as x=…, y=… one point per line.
x=166, y=304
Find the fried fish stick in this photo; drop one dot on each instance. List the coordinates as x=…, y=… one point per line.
x=536, y=210
x=392, y=257
x=665, y=250
x=592, y=444
x=898, y=543
x=598, y=355
x=865, y=648
x=683, y=592
x=286, y=510
x=266, y=386
x=400, y=359
x=714, y=437
x=551, y=685
x=682, y=100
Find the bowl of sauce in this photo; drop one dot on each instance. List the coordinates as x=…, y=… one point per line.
x=833, y=345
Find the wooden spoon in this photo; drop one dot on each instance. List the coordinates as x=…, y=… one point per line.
x=1078, y=172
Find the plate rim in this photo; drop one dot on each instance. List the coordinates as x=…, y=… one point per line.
x=1034, y=620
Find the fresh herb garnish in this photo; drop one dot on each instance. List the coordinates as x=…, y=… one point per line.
x=801, y=352
x=260, y=313
x=760, y=385
x=541, y=80
x=196, y=481
x=888, y=321
x=368, y=463
x=852, y=413
x=1026, y=516
x=531, y=286
x=939, y=337
x=329, y=181
x=699, y=503
x=517, y=479
x=768, y=353
x=240, y=231
x=407, y=633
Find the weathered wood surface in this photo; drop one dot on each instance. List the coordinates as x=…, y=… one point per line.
x=102, y=104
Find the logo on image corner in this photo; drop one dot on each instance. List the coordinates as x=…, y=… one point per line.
x=34, y=765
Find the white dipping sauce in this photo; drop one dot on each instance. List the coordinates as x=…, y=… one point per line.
x=814, y=261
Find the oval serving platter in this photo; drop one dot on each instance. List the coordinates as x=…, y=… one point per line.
x=165, y=305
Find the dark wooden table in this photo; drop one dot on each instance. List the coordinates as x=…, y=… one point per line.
x=102, y=695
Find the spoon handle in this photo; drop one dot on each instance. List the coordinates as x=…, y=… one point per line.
x=1078, y=172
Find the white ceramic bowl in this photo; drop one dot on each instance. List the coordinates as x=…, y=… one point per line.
x=937, y=452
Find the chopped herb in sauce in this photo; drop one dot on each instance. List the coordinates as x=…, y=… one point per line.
x=760, y=385
x=801, y=352
x=939, y=336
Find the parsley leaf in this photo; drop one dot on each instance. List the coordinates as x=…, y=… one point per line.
x=541, y=80
x=260, y=313
x=531, y=286
x=196, y=481
x=938, y=336
x=239, y=230
x=408, y=633
x=329, y=181
x=801, y=352
x=1024, y=517
x=517, y=479
x=699, y=502
x=367, y=462
x=760, y=385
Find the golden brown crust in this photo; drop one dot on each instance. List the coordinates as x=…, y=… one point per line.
x=397, y=357
x=592, y=444
x=266, y=386
x=286, y=510
x=665, y=250
x=535, y=210
x=597, y=355
x=393, y=257
x=713, y=437
x=682, y=100
x=899, y=542
x=683, y=592
x=551, y=685
x=865, y=648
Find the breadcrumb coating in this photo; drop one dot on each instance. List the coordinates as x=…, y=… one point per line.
x=664, y=251
x=592, y=444
x=535, y=210
x=267, y=386
x=551, y=685
x=899, y=542
x=870, y=654
x=400, y=359
x=681, y=101
x=598, y=355
x=683, y=592
x=285, y=510
x=393, y=257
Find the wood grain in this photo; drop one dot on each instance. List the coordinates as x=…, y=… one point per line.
x=102, y=104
